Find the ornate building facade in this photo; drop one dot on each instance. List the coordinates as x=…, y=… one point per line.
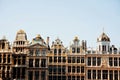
x=37, y=60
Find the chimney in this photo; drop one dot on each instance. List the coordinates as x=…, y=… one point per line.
x=47, y=41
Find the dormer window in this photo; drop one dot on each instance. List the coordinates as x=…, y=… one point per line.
x=55, y=51
x=37, y=52
x=78, y=50
x=31, y=52
x=73, y=50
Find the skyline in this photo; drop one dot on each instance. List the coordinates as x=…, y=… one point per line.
x=61, y=19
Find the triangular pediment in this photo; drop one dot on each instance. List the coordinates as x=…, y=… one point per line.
x=37, y=45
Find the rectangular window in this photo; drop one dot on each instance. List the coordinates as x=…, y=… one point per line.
x=69, y=77
x=82, y=69
x=105, y=74
x=69, y=59
x=82, y=59
x=8, y=59
x=50, y=59
x=115, y=61
x=36, y=75
x=36, y=62
x=116, y=75
x=43, y=62
x=30, y=62
x=94, y=61
x=50, y=69
x=64, y=59
x=98, y=61
x=99, y=74
x=78, y=77
x=94, y=74
x=89, y=74
x=111, y=74
x=73, y=69
x=73, y=59
x=78, y=69
x=69, y=69
x=0, y=58
x=63, y=69
x=78, y=59
x=73, y=77
x=82, y=77
x=73, y=50
x=110, y=61
x=89, y=61
x=59, y=59
x=119, y=61
x=78, y=50
x=30, y=75
x=59, y=69
x=55, y=59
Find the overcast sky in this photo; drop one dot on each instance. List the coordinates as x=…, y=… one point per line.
x=61, y=18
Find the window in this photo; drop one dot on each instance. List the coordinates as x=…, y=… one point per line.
x=50, y=59
x=59, y=59
x=94, y=61
x=0, y=58
x=73, y=59
x=73, y=50
x=116, y=75
x=59, y=69
x=119, y=61
x=78, y=69
x=55, y=59
x=98, y=61
x=105, y=74
x=110, y=61
x=43, y=52
x=99, y=74
x=94, y=74
x=73, y=69
x=23, y=60
x=19, y=60
x=78, y=77
x=69, y=59
x=78, y=59
x=82, y=69
x=73, y=77
x=78, y=50
x=64, y=59
x=82, y=77
x=36, y=62
x=36, y=75
x=69, y=77
x=59, y=51
x=50, y=69
x=8, y=59
x=43, y=75
x=37, y=52
x=30, y=75
x=111, y=74
x=43, y=62
x=69, y=69
x=82, y=59
x=115, y=61
x=4, y=58
x=89, y=61
x=89, y=74
x=31, y=52
x=30, y=62
x=63, y=69
x=55, y=51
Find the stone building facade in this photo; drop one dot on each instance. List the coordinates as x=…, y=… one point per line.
x=37, y=60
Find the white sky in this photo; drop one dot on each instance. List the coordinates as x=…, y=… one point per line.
x=61, y=18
